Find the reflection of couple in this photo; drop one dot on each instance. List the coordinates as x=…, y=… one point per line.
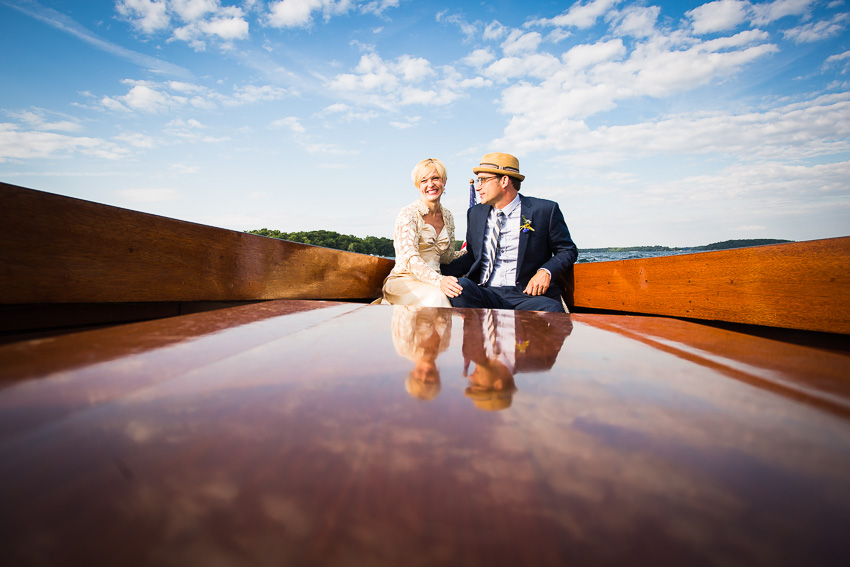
x=500, y=344
x=516, y=246
x=421, y=334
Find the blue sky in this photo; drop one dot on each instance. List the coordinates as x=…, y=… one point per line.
x=675, y=123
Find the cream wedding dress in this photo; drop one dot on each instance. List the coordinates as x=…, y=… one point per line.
x=419, y=250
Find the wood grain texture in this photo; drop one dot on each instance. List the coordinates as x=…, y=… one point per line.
x=56, y=249
x=803, y=285
x=286, y=433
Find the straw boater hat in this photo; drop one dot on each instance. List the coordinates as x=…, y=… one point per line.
x=498, y=393
x=500, y=164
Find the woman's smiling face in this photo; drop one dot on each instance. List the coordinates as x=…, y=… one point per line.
x=431, y=185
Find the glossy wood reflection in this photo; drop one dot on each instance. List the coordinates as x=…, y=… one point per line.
x=802, y=285
x=344, y=434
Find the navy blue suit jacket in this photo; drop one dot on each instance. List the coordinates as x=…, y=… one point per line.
x=548, y=246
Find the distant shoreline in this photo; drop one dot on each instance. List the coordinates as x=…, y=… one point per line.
x=725, y=245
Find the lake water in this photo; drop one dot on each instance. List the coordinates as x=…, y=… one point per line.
x=611, y=256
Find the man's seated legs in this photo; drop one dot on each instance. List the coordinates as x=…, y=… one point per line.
x=503, y=298
x=474, y=295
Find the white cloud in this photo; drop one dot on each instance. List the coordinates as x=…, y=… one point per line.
x=479, y=58
x=227, y=26
x=468, y=29
x=191, y=10
x=299, y=13
x=203, y=20
x=378, y=7
x=593, y=79
x=580, y=15
x=348, y=113
x=771, y=11
x=841, y=60
x=790, y=133
x=519, y=42
x=17, y=144
x=144, y=98
x=494, y=31
x=150, y=97
x=250, y=94
x=39, y=118
x=537, y=65
x=148, y=16
x=136, y=140
x=776, y=187
x=404, y=81
x=587, y=55
x=290, y=123
x=817, y=31
x=409, y=122
x=719, y=16
x=414, y=69
x=637, y=21
x=180, y=123
x=838, y=57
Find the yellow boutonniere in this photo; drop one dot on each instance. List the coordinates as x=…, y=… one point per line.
x=526, y=225
x=521, y=346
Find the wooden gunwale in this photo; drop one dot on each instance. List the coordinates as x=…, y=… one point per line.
x=803, y=286
x=68, y=262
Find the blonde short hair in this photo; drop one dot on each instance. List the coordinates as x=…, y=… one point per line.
x=425, y=165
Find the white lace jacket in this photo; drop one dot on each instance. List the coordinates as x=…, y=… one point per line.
x=408, y=228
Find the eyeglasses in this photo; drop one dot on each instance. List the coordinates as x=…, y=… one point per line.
x=482, y=180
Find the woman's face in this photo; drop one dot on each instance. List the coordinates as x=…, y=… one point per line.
x=431, y=186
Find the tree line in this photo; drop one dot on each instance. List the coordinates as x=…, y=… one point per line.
x=380, y=246
x=725, y=245
x=374, y=245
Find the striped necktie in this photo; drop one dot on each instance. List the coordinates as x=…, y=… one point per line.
x=492, y=245
x=490, y=327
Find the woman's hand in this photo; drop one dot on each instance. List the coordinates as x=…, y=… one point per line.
x=450, y=287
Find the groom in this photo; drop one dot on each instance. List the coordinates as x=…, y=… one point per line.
x=516, y=246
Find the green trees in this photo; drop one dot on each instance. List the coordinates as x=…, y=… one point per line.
x=373, y=245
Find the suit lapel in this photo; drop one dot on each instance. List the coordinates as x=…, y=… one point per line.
x=525, y=211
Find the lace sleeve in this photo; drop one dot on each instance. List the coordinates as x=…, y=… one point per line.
x=450, y=253
x=406, y=244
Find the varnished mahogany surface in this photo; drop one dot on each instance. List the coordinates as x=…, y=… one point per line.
x=56, y=250
x=312, y=433
x=802, y=285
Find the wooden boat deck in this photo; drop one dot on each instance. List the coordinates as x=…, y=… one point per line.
x=284, y=433
x=248, y=420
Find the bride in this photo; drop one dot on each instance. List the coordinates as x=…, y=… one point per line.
x=424, y=238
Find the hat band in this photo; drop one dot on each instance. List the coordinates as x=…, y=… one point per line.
x=503, y=168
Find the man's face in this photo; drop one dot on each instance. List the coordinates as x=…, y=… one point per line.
x=491, y=188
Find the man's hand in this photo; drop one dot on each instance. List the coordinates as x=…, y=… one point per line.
x=539, y=283
x=450, y=287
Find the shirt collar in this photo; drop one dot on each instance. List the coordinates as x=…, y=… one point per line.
x=510, y=207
